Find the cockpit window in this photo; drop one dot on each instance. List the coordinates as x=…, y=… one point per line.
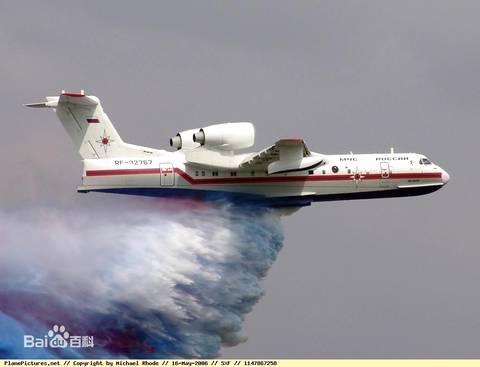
x=425, y=161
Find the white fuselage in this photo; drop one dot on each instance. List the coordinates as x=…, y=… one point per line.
x=341, y=177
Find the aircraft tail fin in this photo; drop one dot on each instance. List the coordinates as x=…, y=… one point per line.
x=89, y=127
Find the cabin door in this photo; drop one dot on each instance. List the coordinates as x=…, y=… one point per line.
x=384, y=170
x=166, y=174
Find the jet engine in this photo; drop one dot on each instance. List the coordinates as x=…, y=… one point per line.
x=227, y=136
x=183, y=140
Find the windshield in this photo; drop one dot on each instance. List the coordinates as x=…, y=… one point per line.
x=425, y=161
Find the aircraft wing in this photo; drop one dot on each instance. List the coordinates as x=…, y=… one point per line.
x=284, y=149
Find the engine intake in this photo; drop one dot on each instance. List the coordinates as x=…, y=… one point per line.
x=183, y=140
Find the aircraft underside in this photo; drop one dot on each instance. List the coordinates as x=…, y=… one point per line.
x=254, y=199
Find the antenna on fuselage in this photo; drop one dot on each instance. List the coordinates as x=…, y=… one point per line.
x=392, y=151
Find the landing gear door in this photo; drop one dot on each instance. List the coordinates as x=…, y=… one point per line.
x=384, y=170
x=167, y=177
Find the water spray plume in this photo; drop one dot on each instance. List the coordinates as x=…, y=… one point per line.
x=150, y=279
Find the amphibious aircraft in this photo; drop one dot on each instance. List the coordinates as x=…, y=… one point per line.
x=207, y=164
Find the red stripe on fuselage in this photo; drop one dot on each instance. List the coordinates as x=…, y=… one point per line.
x=118, y=172
x=264, y=179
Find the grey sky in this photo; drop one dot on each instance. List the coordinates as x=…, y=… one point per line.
x=378, y=278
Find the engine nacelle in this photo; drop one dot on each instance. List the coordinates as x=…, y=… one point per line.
x=183, y=140
x=228, y=136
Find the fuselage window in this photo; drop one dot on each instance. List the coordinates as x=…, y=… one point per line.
x=233, y=173
x=214, y=173
x=310, y=172
x=252, y=173
x=334, y=169
x=323, y=171
x=349, y=171
x=196, y=173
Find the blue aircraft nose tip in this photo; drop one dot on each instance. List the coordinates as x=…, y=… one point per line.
x=445, y=177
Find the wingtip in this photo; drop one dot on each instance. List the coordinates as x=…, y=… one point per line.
x=48, y=104
x=35, y=105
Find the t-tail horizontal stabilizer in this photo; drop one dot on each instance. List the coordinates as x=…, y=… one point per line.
x=89, y=127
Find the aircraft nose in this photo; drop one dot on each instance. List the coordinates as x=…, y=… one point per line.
x=445, y=177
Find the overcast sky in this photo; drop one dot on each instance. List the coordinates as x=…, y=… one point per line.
x=378, y=278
